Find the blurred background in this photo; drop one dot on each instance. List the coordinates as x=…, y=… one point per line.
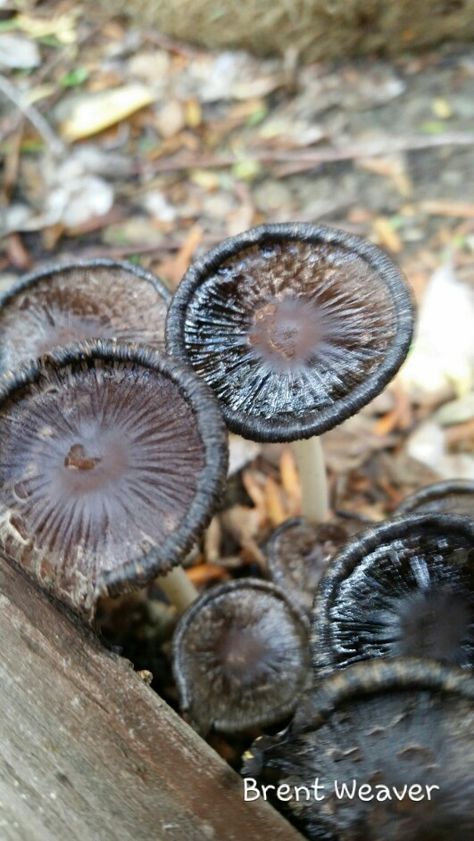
x=153, y=130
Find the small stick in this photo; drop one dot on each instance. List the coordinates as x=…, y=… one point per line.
x=36, y=119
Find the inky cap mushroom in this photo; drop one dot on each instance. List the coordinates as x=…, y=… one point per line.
x=112, y=458
x=453, y=497
x=240, y=657
x=403, y=588
x=297, y=554
x=295, y=327
x=398, y=735
x=73, y=302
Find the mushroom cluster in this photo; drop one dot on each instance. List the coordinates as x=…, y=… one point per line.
x=115, y=401
x=112, y=456
x=382, y=751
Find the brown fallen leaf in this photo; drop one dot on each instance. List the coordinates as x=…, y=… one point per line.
x=447, y=207
x=17, y=253
x=204, y=574
x=274, y=504
x=386, y=235
x=290, y=481
x=394, y=168
x=174, y=268
x=255, y=489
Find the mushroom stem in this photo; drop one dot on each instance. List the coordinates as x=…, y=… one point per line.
x=309, y=459
x=178, y=588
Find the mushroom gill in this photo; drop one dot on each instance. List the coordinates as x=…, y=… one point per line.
x=240, y=657
x=111, y=460
x=294, y=327
x=390, y=745
x=402, y=588
x=455, y=496
x=297, y=555
x=66, y=303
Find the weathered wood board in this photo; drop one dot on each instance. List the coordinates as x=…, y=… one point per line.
x=88, y=752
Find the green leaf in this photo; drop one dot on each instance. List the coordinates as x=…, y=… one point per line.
x=74, y=78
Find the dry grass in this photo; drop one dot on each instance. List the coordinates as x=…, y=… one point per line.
x=317, y=29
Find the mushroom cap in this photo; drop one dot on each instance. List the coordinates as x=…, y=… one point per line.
x=395, y=723
x=452, y=497
x=298, y=552
x=73, y=302
x=240, y=657
x=402, y=588
x=112, y=459
x=295, y=327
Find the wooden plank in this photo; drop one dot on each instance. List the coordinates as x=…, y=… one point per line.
x=88, y=752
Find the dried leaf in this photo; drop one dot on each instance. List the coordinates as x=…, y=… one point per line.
x=62, y=27
x=290, y=480
x=274, y=504
x=18, y=53
x=95, y=112
x=205, y=574
x=175, y=268
x=386, y=235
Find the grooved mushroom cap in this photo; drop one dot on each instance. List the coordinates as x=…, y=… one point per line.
x=403, y=588
x=112, y=459
x=453, y=497
x=295, y=327
x=240, y=657
x=297, y=554
x=404, y=723
x=72, y=302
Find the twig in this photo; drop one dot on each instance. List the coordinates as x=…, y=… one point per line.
x=299, y=160
x=33, y=116
x=172, y=45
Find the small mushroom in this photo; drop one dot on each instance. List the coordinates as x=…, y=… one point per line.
x=112, y=459
x=381, y=751
x=297, y=554
x=403, y=588
x=72, y=302
x=240, y=657
x=295, y=327
x=453, y=497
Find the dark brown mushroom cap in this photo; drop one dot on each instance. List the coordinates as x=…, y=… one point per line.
x=295, y=327
x=112, y=459
x=240, y=657
x=452, y=497
x=297, y=554
x=402, y=588
x=73, y=302
x=403, y=724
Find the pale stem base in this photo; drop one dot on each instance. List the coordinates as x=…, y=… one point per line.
x=309, y=460
x=178, y=589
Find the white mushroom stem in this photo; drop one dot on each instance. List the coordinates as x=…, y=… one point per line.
x=309, y=460
x=178, y=588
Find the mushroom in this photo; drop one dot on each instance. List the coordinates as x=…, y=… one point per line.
x=453, y=497
x=240, y=657
x=112, y=459
x=403, y=588
x=297, y=554
x=72, y=302
x=381, y=751
x=295, y=327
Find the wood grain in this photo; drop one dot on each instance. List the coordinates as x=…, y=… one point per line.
x=88, y=752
